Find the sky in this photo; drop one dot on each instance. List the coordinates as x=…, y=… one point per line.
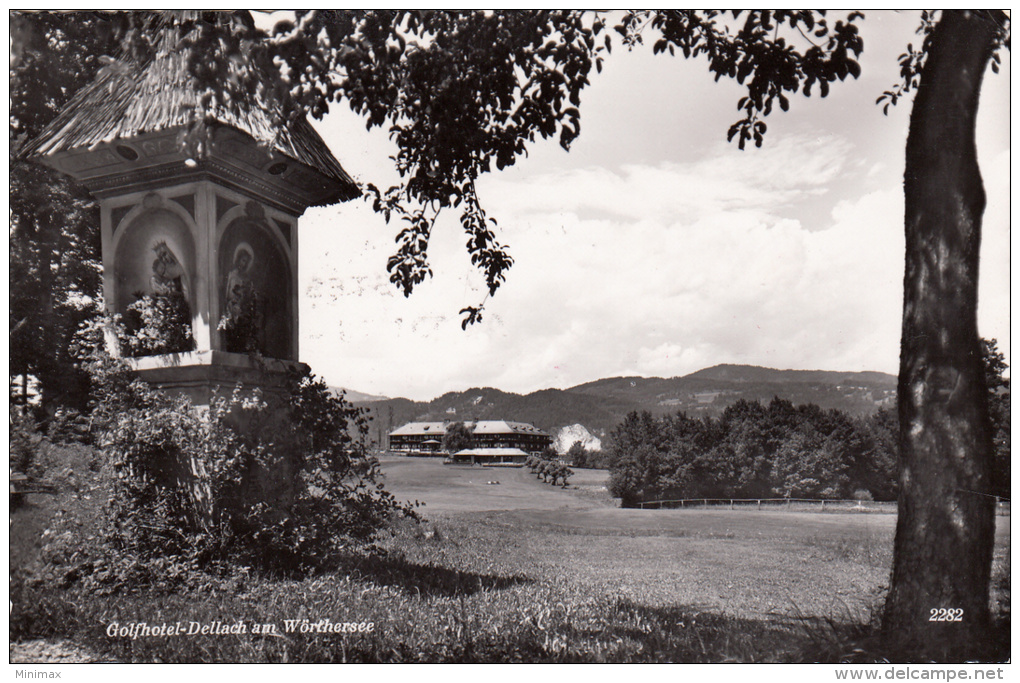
x=654, y=247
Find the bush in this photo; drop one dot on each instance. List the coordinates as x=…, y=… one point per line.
x=549, y=470
x=59, y=461
x=562, y=472
x=240, y=486
x=25, y=442
x=536, y=462
x=158, y=324
x=68, y=425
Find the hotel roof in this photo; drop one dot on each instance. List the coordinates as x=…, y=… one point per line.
x=479, y=427
x=420, y=428
x=502, y=452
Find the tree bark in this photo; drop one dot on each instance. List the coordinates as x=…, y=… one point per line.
x=946, y=525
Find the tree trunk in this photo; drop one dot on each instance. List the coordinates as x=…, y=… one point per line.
x=946, y=525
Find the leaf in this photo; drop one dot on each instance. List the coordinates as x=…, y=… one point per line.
x=472, y=315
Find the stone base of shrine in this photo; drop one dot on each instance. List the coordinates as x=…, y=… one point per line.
x=203, y=375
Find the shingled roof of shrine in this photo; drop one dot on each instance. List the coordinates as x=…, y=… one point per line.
x=126, y=100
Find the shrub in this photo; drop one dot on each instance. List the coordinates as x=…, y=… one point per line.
x=158, y=324
x=558, y=471
x=25, y=442
x=549, y=470
x=565, y=474
x=69, y=425
x=240, y=486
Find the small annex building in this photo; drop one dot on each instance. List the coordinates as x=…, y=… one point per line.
x=426, y=438
x=490, y=456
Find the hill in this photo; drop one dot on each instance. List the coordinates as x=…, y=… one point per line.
x=711, y=390
x=357, y=396
x=601, y=405
x=548, y=409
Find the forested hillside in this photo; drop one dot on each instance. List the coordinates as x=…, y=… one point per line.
x=601, y=405
x=710, y=391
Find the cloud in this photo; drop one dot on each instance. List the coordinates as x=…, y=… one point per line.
x=786, y=256
x=658, y=270
x=789, y=170
x=670, y=298
x=676, y=284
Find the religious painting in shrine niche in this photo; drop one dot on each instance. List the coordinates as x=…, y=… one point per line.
x=153, y=259
x=256, y=313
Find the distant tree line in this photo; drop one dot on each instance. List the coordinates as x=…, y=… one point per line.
x=755, y=451
x=781, y=450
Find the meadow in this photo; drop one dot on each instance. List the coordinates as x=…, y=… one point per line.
x=523, y=571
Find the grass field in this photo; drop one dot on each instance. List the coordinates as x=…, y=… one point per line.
x=520, y=570
x=463, y=488
x=752, y=564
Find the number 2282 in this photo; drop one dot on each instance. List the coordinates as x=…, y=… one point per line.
x=946, y=614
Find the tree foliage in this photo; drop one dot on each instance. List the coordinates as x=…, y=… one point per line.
x=457, y=437
x=54, y=232
x=547, y=468
x=998, y=412
x=579, y=456
x=753, y=451
x=775, y=53
x=463, y=93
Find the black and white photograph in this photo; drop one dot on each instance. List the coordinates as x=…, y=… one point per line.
x=510, y=336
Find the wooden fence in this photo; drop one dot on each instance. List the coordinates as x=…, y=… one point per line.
x=1002, y=505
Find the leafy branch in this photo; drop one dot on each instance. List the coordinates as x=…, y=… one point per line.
x=913, y=60
x=749, y=48
x=911, y=63
x=461, y=93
